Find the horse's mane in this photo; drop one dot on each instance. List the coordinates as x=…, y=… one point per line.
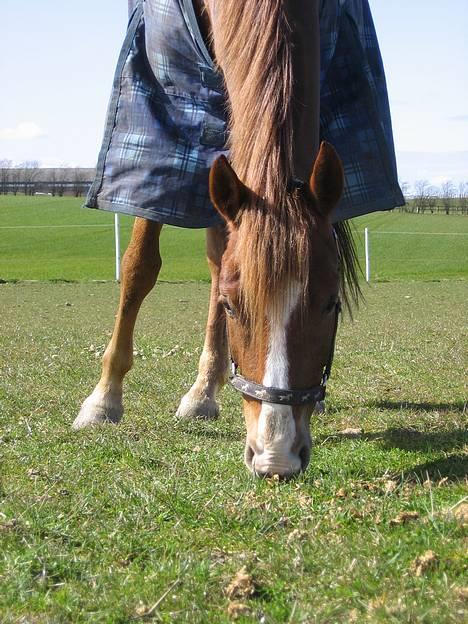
x=252, y=44
x=350, y=268
x=253, y=47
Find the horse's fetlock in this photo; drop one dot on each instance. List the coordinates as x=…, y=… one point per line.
x=117, y=363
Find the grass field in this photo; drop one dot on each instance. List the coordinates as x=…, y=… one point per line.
x=403, y=246
x=151, y=520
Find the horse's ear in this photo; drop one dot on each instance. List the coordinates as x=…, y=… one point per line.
x=226, y=190
x=327, y=180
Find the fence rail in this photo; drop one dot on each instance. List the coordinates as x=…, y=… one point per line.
x=57, y=188
x=375, y=233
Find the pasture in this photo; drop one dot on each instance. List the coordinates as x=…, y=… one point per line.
x=152, y=520
x=52, y=238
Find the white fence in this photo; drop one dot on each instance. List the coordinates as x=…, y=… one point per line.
x=369, y=245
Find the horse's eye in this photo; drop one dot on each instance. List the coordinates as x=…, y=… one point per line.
x=228, y=307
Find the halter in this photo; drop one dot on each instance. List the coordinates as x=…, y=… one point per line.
x=286, y=396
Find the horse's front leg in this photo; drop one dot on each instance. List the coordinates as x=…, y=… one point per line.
x=140, y=267
x=200, y=400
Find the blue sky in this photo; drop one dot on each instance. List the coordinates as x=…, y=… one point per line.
x=57, y=61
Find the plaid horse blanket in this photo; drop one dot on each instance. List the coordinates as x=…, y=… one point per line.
x=167, y=122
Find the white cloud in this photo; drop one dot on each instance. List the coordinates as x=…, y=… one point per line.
x=26, y=130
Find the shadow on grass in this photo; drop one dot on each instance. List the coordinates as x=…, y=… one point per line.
x=456, y=406
x=202, y=429
x=454, y=468
x=406, y=439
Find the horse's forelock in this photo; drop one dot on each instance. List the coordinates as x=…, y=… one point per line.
x=273, y=249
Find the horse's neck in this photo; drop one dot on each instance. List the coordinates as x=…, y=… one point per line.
x=301, y=123
x=304, y=19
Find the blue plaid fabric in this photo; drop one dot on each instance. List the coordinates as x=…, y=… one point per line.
x=166, y=121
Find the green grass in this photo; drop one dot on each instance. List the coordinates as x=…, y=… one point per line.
x=87, y=253
x=82, y=253
x=415, y=247
x=96, y=522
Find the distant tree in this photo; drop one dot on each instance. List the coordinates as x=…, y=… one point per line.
x=60, y=183
x=29, y=173
x=405, y=189
x=79, y=178
x=463, y=197
x=432, y=198
x=447, y=195
x=53, y=181
x=421, y=194
x=405, y=186
x=5, y=168
x=15, y=179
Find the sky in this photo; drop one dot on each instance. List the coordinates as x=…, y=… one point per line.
x=57, y=61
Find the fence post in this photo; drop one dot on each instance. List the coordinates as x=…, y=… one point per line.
x=117, y=246
x=366, y=244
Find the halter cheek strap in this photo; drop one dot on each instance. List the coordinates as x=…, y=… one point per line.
x=283, y=396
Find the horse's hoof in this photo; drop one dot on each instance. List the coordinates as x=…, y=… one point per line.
x=99, y=408
x=202, y=408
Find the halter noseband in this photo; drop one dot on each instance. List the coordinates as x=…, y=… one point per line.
x=282, y=396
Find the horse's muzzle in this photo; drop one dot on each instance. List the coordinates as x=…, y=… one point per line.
x=266, y=464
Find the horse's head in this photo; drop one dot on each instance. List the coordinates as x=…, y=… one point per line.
x=279, y=284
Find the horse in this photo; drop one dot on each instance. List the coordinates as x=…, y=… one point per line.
x=279, y=266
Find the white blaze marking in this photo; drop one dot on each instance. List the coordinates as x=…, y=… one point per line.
x=276, y=426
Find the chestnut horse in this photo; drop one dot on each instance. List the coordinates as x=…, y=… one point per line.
x=278, y=265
